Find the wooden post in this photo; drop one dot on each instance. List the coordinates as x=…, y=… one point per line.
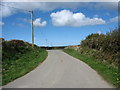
x=32, y=28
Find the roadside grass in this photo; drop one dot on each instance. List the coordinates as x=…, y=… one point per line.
x=106, y=71
x=13, y=69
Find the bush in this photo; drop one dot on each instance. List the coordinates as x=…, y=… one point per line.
x=14, y=48
x=107, y=46
x=19, y=58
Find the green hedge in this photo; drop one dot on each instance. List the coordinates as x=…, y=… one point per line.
x=106, y=47
x=19, y=58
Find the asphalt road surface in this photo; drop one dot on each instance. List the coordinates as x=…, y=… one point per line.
x=60, y=70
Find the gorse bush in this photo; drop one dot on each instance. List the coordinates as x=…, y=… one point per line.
x=108, y=42
x=19, y=58
x=107, y=46
x=14, y=48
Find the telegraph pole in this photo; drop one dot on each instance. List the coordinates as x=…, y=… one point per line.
x=32, y=28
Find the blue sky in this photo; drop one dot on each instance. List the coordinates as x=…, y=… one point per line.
x=55, y=29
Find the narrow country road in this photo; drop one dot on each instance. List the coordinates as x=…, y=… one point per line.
x=60, y=70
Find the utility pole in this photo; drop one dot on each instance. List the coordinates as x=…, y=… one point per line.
x=32, y=28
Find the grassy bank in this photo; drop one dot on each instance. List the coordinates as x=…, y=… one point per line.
x=106, y=71
x=19, y=58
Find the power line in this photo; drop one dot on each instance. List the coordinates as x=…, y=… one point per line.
x=32, y=26
x=15, y=8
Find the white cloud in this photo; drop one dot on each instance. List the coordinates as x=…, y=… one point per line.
x=114, y=19
x=25, y=20
x=68, y=18
x=6, y=11
x=1, y=23
x=61, y=0
x=42, y=6
x=96, y=16
x=49, y=6
x=106, y=5
x=37, y=23
x=107, y=14
x=20, y=25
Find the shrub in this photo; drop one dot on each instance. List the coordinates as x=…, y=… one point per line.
x=108, y=46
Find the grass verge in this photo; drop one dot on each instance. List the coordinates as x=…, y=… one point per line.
x=107, y=72
x=12, y=69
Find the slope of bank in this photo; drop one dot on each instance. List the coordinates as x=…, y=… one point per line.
x=19, y=58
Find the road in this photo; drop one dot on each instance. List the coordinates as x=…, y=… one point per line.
x=60, y=70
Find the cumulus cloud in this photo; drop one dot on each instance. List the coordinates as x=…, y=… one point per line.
x=49, y=6
x=1, y=23
x=37, y=23
x=68, y=18
x=114, y=19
